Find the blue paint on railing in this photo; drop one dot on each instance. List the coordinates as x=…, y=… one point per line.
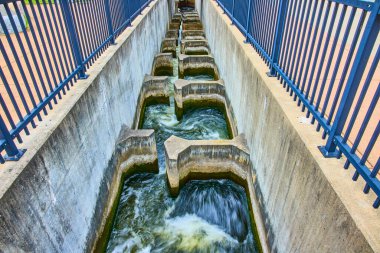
x=325, y=52
x=46, y=48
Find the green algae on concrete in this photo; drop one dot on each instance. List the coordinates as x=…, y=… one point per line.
x=169, y=46
x=192, y=65
x=193, y=35
x=195, y=47
x=163, y=65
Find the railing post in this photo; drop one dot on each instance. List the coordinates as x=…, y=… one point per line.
x=73, y=38
x=232, y=12
x=128, y=12
x=363, y=53
x=109, y=21
x=248, y=21
x=13, y=153
x=281, y=16
x=141, y=6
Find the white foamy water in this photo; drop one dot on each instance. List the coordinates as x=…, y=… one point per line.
x=192, y=233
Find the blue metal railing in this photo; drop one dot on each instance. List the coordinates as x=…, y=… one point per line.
x=326, y=54
x=45, y=47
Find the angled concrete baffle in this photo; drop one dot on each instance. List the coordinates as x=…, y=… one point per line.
x=197, y=64
x=191, y=94
x=172, y=34
x=163, y=65
x=169, y=46
x=174, y=25
x=190, y=14
x=177, y=17
x=192, y=26
x=205, y=159
x=136, y=148
x=193, y=35
x=155, y=90
x=195, y=47
x=191, y=19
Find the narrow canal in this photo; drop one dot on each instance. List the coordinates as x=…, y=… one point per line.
x=207, y=216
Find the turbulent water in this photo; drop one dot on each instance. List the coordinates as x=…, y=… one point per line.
x=197, y=124
x=207, y=216
x=200, y=77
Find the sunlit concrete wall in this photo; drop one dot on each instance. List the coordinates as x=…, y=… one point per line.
x=309, y=203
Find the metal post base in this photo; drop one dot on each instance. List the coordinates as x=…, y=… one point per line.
x=377, y=203
x=270, y=74
x=16, y=157
x=327, y=154
x=83, y=77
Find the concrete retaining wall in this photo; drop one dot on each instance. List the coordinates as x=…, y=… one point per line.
x=310, y=204
x=53, y=199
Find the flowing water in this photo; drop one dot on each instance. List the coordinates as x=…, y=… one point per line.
x=200, y=77
x=207, y=216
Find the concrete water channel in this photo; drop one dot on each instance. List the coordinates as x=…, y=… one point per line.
x=148, y=154
x=196, y=200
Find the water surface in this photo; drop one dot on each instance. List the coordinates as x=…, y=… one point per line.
x=207, y=216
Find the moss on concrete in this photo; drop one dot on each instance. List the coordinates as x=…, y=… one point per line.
x=163, y=71
x=200, y=71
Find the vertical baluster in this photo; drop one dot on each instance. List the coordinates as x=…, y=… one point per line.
x=278, y=36
x=74, y=38
x=233, y=12
x=13, y=153
x=363, y=53
x=109, y=21
x=248, y=21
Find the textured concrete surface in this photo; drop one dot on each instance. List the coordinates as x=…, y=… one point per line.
x=155, y=90
x=163, y=65
x=195, y=47
x=135, y=147
x=190, y=14
x=174, y=25
x=309, y=203
x=177, y=17
x=169, y=46
x=53, y=199
x=172, y=34
x=187, y=159
x=191, y=19
x=190, y=94
x=192, y=26
x=197, y=65
x=193, y=35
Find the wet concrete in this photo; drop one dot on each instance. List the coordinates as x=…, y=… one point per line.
x=197, y=64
